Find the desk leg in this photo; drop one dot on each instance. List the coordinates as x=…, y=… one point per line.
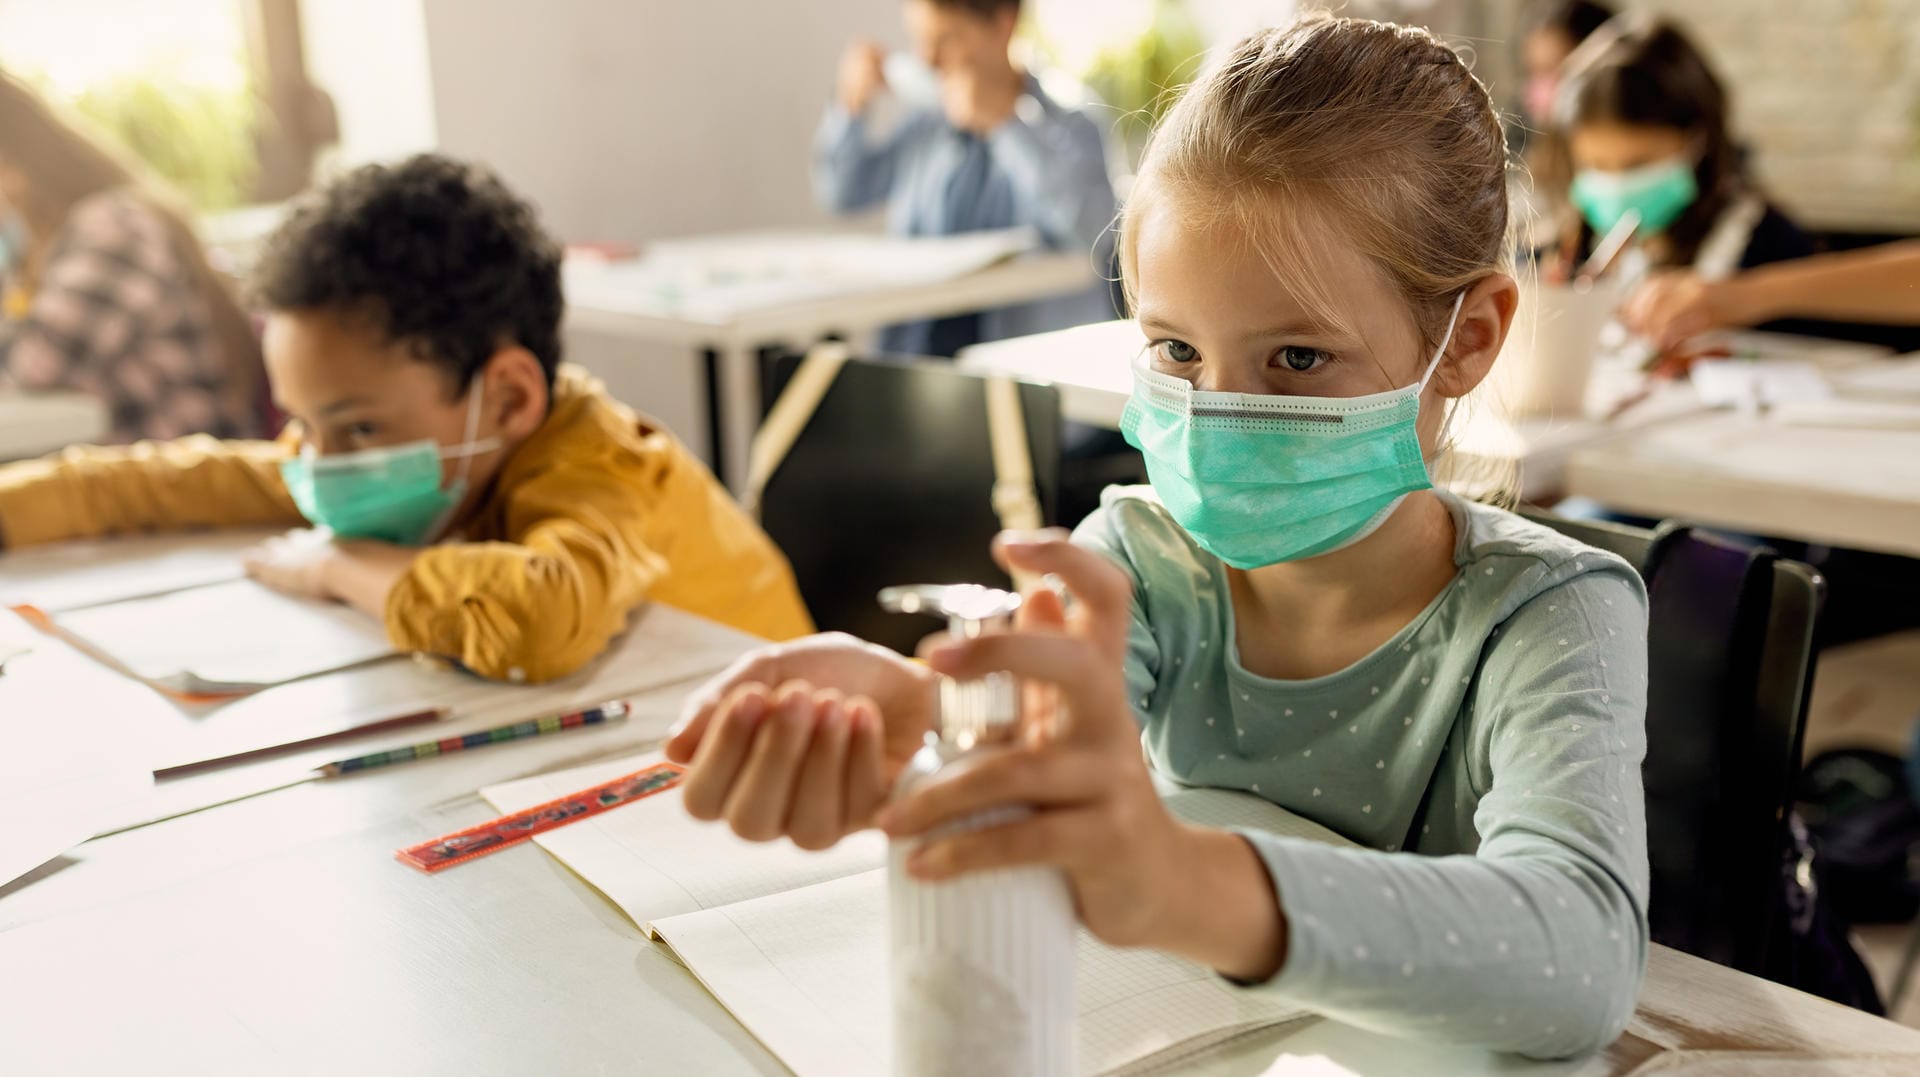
x=735, y=410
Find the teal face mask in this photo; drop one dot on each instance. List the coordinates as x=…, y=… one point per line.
x=393, y=494
x=1660, y=192
x=1260, y=479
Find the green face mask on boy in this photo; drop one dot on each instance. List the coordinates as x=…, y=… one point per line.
x=1257, y=479
x=1659, y=192
x=392, y=494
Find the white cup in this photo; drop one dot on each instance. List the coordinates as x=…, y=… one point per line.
x=1547, y=361
x=910, y=81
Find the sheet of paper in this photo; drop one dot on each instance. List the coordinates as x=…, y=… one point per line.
x=1850, y=414
x=719, y=279
x=1885, y=377
x=74, y=575
x=63, y=775
x=655, y=861
x=238, y=634
x=806, y=972
x=1757, y=383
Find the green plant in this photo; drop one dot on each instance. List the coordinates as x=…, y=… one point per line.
x=199, y=139
x=1137, y=76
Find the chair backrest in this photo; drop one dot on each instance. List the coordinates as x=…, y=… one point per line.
x=1730, y=664
x=891, y=482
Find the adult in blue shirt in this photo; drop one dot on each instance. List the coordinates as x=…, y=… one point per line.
x=988, y=148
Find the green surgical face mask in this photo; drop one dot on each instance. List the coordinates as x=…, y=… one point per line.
x=1257, y=479
x=393, y=494
x=1660, y=192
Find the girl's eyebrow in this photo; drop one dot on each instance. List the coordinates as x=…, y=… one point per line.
x=1154, y=325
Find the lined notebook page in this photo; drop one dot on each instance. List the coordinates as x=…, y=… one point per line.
x=233, y=635
x=655, y=861
x=806, y=972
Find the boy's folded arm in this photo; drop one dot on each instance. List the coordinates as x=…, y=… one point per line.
x=531, y=610
x=87, y=492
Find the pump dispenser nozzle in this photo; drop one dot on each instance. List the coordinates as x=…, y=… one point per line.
x=971, y=711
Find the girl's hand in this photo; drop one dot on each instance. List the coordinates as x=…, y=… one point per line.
x=802, y=739
x=1134, y=870
x=1670, y=307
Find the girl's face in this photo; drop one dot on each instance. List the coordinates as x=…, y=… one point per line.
x=1622, y=147
x=1215, y=314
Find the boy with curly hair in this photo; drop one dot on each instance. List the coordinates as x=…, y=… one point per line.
x=489, y=504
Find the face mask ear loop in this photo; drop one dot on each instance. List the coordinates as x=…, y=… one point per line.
x=473, y=428
x=1441, y=352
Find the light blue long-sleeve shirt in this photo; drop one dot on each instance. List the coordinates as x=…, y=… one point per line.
x=1488, y=756
x=1046, y=167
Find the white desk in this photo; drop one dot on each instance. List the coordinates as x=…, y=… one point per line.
x=606, y=301
x=1852, y=488
x=1666, y=458
x=278, y=935
x=32, y=424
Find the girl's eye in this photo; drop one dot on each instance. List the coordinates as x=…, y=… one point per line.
x=361, y=431
x=1178, y=351
x=1303, y=360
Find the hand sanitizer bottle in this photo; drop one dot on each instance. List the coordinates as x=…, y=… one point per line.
x=982, y=965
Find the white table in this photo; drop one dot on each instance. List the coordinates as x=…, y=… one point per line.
x=735, y=335
x=278, y=935
x=1667, y=458
x=32, y=424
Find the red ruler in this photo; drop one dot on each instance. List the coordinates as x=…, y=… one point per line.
x=508, y=830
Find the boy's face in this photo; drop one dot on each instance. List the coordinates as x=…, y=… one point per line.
x=953, y=40
x=345, y=389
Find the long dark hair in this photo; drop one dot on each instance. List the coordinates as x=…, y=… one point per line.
x=1577, y=19
x=63, y=166
x=1645, y=73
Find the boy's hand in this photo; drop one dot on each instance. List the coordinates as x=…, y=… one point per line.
x=862, y=75
x=802, y=739
x=294, y=563
x=311, y=565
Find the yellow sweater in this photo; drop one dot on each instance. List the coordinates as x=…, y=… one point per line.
x=597, y=512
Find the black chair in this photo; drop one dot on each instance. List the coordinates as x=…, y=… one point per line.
x=890, y=482
x=1730, y=667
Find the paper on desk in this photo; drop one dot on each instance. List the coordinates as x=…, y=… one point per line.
x=1849, y=414
x=227, y=637
x=74, y=575
x=1757, y=383
x=722, y=278
x=62, y=778
x=1886, y=377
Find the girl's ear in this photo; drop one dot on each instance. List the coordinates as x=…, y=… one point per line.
x=1485, y=317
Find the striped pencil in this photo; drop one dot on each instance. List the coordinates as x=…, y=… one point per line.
x=536, y=727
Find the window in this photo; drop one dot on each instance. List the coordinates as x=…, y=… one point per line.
x=212, y=95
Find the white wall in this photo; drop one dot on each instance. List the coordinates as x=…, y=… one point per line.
x=645, y=118
x=371, y=58
x=629, y=120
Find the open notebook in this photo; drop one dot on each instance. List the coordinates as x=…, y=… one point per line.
x=794, y=943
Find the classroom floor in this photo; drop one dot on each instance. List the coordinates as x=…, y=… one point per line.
x=1867, y=694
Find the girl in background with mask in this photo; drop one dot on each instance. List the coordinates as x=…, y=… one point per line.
x=108, y=292
x=1316, y=249
x=1646, y=123
x=1554, y=28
